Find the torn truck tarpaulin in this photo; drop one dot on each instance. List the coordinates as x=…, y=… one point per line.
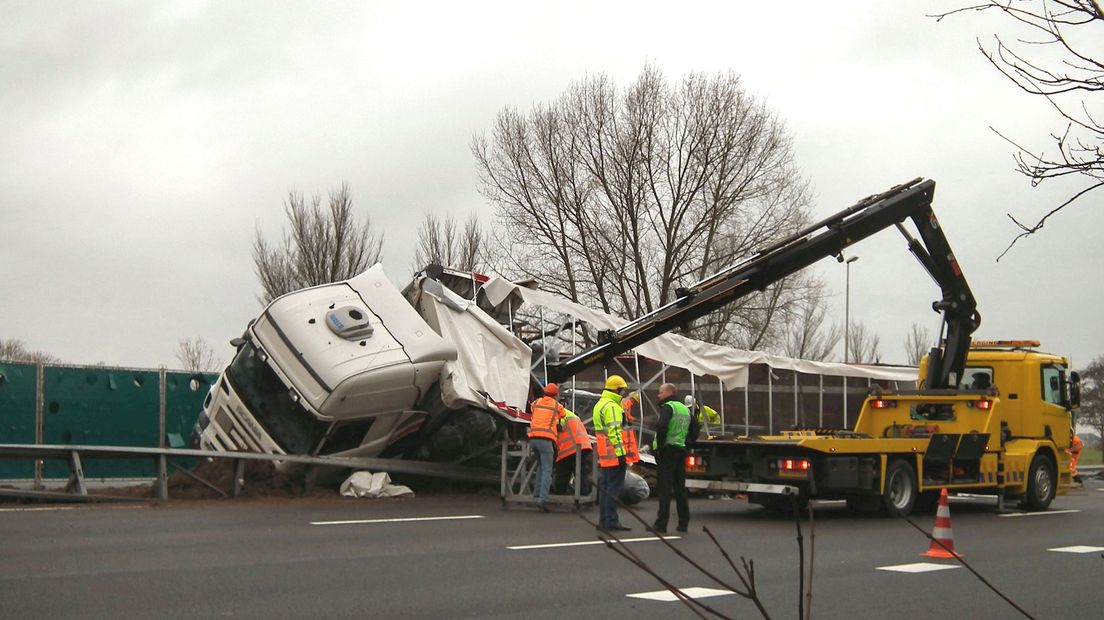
x=491, y=363
x=702, y=358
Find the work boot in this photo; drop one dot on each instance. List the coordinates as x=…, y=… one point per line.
x=682, y=528
x=662, y=529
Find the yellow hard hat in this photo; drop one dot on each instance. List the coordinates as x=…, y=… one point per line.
x=634, y=395
x=615, y=382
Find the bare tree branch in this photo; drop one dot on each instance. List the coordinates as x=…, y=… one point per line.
x=614, y=197
x=1062, y=62
x=321, y=246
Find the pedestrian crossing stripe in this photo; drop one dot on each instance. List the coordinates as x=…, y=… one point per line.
x=667, y=595
x=917, y=567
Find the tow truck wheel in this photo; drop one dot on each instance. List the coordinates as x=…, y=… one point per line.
x=900, y=489
x=1040, y=483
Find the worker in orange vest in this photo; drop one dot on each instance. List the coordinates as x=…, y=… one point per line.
x=608, y=416
x=1075, y=453
x=628, y=432
x=545, y=412
x=572, y=441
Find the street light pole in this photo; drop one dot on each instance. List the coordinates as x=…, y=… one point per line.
x=847, y=313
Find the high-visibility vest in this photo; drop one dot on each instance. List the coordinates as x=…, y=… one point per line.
x=572, y=436
x=1075, y=453
x=542, y=424
x=632, y=450
x=607, y=426
x=678, y=427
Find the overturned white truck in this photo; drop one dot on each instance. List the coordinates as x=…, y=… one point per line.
x=358, y=368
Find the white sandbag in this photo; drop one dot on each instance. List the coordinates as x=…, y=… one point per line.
x=367, y=484
x=636, y=489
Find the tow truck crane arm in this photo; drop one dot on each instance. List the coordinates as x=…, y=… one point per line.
x=828, y=237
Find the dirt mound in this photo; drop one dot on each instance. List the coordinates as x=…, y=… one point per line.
x=260, y=479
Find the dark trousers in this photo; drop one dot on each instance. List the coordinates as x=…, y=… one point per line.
x=610, y=482
x=565, y=469
x=671, y=477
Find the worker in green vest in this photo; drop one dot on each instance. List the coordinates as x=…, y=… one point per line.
x=675, y=430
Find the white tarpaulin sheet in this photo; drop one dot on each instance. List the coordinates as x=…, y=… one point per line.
x=367, y=484
x=490, y=360
x=701, y=358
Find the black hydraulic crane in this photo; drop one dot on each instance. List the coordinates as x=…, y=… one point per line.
x=828, y=237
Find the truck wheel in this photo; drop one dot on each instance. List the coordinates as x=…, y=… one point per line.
x=900, y=489
x=1041, y=486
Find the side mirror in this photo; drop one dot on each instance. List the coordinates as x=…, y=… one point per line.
x=237, y=343
x=1074, y=390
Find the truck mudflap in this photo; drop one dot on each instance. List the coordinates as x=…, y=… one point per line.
x=732, y=486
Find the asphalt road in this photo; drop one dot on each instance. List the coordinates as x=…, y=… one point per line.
x=270, y=558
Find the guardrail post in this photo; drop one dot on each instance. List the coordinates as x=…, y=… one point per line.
x=162, y=477
x=239, y=476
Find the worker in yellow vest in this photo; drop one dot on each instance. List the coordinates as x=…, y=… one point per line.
x=572, y=444
x=608, y=418
x=545, y=412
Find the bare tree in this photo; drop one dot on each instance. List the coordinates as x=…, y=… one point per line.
x=808, y=334
x=1091, y=412
x=322, y=246
x=15, y=350
x=614, y=198
x=863, y=343
x=1058, y=56
x=441, y=242
x=195, y=355
x=917, y=343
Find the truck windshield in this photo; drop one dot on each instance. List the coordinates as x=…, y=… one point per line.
x=289, y=424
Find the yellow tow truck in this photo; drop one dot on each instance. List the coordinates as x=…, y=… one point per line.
x=1006, y=436
x=1003, y=430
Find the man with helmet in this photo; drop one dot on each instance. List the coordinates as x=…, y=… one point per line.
x=608, y=418
x=545, y=412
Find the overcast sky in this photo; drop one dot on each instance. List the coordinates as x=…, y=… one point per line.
x=142, y=142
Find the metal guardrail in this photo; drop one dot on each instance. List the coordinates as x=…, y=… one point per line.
x=73, y=455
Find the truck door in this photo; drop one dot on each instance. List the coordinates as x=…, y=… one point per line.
x=1056, y=418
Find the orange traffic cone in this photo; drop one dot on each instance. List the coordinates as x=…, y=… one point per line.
x=942, y=531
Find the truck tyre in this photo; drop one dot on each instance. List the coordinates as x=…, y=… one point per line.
x=901, y=490
x=1041, y=483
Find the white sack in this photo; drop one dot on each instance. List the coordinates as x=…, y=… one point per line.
x=367, y=484
x=636, y=489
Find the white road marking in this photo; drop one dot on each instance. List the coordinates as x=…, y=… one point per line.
x=667, y=595
x=405, y=520
x=1037, y=514
x=1077, y=549
x=587, y=542
x=43, y=509
x=917, y=567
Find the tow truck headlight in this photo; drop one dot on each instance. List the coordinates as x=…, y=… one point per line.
x=695, y=464
x=792, y=468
